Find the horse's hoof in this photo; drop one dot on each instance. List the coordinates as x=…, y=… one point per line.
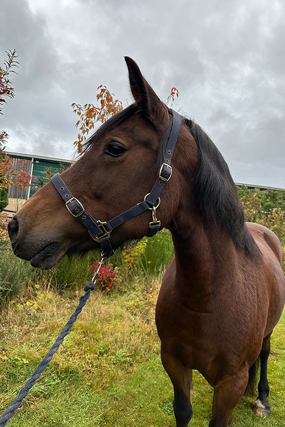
x=261, y=410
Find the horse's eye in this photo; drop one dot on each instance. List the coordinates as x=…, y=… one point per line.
x=114, y=149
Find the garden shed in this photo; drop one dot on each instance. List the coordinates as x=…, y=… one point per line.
x=37, y=167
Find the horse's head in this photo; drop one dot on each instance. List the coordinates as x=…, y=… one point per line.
x=118, y=169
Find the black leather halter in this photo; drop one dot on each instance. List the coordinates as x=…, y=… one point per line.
x=100, y=230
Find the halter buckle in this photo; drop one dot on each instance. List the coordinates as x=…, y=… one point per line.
x=74, y=211
x=165, y=172
x=102, y=226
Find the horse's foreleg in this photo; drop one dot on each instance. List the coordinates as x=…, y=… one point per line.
x=261, y=406
x=181, y=378
x=226, y=396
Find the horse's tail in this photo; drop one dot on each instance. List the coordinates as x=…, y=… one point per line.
x=252, y=379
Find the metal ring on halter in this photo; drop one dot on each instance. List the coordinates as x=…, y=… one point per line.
x=154, y=207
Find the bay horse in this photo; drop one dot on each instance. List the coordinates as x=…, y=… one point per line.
x=223, y=291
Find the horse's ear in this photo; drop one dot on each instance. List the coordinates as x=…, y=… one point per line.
x=144, y=95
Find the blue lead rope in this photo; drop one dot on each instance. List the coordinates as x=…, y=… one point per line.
x=17, y=402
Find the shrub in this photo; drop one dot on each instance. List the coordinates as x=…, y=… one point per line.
x=157, y=254
x=131, y=256
x=3, y=198
x=265, y=207
x=106, y=276
x=3, y=226
x=14, y=273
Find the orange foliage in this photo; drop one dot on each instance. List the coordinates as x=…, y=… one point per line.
x=107, y=107
x=89, y=114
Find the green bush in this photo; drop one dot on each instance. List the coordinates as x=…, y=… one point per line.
x=14, y=273
x=3, y=198
x=266, y=207
x=157, y=254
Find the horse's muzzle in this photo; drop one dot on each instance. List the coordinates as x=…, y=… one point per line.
x=13, y=228
x=42, y=253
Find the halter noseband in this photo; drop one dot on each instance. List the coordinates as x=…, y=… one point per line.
x=100, y=230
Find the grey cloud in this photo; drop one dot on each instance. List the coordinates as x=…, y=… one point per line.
x=226, y=59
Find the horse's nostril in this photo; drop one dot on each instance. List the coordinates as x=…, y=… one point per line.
x=13, y=228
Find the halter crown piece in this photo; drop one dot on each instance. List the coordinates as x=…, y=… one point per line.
x=100, y=230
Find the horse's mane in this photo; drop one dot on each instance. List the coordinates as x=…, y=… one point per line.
x=215, y=193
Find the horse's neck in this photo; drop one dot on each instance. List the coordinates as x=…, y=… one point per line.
x=205, y=260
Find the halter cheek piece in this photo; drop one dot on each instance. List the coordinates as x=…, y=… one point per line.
x=100, y=230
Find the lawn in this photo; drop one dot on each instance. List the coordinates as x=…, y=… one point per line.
x=108, y=371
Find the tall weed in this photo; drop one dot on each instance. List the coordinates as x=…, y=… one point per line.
x=157, y=254
x=72, y=272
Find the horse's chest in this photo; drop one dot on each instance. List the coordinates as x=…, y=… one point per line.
x=206, y=341
x=182, y=331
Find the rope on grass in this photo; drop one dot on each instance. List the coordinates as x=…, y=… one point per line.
x=17, y=402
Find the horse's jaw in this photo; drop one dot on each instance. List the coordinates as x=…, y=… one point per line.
x=42, y=251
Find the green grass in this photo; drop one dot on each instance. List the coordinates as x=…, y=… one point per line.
x=108, y=371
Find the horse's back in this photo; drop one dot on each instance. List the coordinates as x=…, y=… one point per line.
x=262, y=234
x=274, y=279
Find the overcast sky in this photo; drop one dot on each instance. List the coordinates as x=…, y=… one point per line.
x=227, y=59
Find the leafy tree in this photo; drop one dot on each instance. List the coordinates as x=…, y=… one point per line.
x=89, y=114
x=6, y=88
x=8, y=176
x=107, y=106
